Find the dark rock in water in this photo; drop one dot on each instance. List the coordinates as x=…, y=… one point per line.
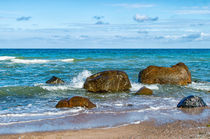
x=178, y=74
x=144, y=91
x=76, y=101
x=108, y=81
x=55, y=80
x=130, y=105
x=191, y=102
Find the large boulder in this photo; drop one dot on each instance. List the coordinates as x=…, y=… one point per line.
x=108, y=81
x=76, y=101
x=191, y=102
x=55, y=80
x=178, y=74
x=144, y=91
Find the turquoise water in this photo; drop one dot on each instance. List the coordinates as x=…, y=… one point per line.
x=28, y=103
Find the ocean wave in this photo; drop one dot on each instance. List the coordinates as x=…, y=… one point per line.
x=137, y=86
x=203, y=86
x=27, y=61
x=2, y=58
x=67, y=60
x=31, y=61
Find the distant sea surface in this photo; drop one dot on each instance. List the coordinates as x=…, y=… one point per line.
x=27, y=104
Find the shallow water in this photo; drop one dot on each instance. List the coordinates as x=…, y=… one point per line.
x=28, y=104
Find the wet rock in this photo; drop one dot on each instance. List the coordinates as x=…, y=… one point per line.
x=55, y=80
x=191, y=102
x=144, y=91
x=108, y=81
x=129, y=105
x=178, y=74
x=62, y=103
x=76, y=101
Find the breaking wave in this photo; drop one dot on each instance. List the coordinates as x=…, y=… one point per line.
x=32, y=61
x=2, y=58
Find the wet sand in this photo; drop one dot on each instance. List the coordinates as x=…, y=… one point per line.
x=147, y=129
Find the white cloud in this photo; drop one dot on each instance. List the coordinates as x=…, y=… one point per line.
x=192, y=12
x=185, y=37
x=142, y=18
x=135, y=5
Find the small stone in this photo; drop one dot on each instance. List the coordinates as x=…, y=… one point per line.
x=144, y=91
x=55, y=80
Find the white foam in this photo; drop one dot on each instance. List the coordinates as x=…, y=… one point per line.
x=119, y=104
x=78, y=81
x=67, y=60
x=73, y=110
x=6, y=58
x=27, y=61
x=137, y=86
x=205, y=86
x=55, y=88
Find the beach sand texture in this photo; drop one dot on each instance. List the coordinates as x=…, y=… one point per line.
x=144, y=130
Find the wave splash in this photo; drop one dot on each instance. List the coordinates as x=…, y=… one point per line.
x=76, y=83
x=79, y=80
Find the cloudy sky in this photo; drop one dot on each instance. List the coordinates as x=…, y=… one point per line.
x=105, y=24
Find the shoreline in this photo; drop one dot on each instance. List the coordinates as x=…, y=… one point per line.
x=145, y=129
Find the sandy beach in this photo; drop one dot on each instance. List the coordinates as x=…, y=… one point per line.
x=147, y=129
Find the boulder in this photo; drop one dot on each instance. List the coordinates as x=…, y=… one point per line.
x=191, y=102
x=144, y=91
x=76, y=101
x=108, y=81
x=55, y=80
x=178, y=74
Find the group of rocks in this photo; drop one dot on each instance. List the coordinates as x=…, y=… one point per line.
x=118, y=81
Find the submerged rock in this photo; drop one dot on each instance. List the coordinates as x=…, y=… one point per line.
x=76, y=101
x=178, y=74
x=144, y=91
x=108, y=81
x=191, y=102
x=55, y=80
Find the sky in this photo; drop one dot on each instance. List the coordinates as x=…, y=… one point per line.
x=105, y=24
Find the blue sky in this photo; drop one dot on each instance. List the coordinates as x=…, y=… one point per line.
x=105, y=24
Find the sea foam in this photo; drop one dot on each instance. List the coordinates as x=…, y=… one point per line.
x=67, y=60
x=73, y=110
x=27, y=61
x=2, y=58
x=203, y=86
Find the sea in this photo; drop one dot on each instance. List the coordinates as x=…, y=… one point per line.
x=27, y=103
